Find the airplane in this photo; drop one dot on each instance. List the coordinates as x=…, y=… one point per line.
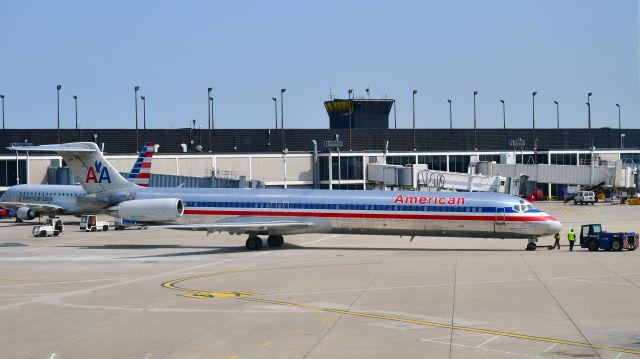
x=31, y=201
x=275, y=213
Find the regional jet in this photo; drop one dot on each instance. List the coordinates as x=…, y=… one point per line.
x=275, y=213
x=31, y=201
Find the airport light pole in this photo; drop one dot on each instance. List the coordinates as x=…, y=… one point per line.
x=475, y=133
x=275, y=110
x=2, y=97
x=144, y=112
x=58, y=88
x=450, y=115
x=282, y=118
x=213, y=120
x=533, y=116
x=413, y=103
x=135, y=97
x=557, y=113
x=350, y=115
x=368, y=94
x=209, y=111
x=75, y=100
x=589, y=118
x=619, y=125
x=395, y=118
x=504, y=115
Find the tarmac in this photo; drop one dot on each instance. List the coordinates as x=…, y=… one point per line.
x=159, y=293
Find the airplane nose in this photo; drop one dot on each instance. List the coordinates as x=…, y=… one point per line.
x=554, y=226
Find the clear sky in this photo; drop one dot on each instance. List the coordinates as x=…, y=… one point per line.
x=248, y=50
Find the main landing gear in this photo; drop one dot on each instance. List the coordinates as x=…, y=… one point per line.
x=254, y=242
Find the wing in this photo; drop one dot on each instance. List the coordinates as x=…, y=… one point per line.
x=251, y=225
x=40, y=207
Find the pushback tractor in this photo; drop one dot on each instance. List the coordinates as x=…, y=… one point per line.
x=593, y=237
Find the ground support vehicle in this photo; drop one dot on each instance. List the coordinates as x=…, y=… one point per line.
x=585, y=197
x=121, y=224
x=52, y=227
x=593, y=238
x=90, y=223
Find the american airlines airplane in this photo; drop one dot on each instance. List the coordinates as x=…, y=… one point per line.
x=31, y=201
x=274, y=213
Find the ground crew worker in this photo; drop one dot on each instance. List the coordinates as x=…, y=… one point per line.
x=572, y=239
x=557, y=238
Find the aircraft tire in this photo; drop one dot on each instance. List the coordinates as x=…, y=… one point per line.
x=275, y=241
x=531, y=246
x=254, y=243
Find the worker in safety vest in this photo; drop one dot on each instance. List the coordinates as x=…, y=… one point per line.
x=557, y=242
x=572, y=239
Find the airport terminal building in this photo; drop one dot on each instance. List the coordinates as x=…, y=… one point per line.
x=260, y=154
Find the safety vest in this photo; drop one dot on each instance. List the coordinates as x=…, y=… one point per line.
x=572, y=236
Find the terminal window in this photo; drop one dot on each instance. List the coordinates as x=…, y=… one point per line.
x=8, y=172
x=436, y=163
x=401, y=160
x=459, y=163
x=347, y=168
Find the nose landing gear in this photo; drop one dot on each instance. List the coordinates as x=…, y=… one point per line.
x=531, y=246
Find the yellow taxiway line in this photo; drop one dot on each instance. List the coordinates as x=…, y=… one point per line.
x=254, y=297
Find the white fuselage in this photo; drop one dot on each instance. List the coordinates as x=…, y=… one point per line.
x=369, y=212
x=65, y=196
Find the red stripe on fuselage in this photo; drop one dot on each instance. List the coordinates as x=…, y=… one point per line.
x=447, y=217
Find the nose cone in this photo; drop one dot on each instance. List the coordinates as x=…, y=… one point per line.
x=554, y=225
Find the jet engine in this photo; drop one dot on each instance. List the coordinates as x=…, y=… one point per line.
x=148, y=210
x=26, y=213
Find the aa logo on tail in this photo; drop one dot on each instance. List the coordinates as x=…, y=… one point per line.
x=97, y=174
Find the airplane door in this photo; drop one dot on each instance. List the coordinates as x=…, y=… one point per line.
x=499, y=222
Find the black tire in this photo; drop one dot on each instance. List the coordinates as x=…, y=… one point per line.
x=275, y=241
x=254, y=243
x=593, y=244
x=616, y=245
x=105, y=228
x=56, y=233
x=43, y=233
x=93, y=229
x=575, y=202
x=531, y=246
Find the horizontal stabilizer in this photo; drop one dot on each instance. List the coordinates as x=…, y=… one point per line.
x=69, y=147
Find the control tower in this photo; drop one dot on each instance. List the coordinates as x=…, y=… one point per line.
x=363, y=113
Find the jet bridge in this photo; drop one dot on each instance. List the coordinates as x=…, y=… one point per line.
x=420, y=177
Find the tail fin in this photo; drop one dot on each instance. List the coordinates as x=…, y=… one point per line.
x=141, y=171
x=86, y=161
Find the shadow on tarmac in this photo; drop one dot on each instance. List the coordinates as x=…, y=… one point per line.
x=207, y=250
